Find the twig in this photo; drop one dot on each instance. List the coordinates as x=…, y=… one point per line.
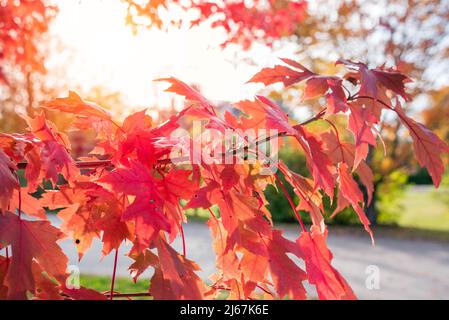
x=129, y=295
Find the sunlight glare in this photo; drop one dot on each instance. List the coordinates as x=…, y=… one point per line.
x=108, y=54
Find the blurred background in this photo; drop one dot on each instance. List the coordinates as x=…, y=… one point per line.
x=110, y=51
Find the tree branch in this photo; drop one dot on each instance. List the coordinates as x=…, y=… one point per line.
x=108, y=163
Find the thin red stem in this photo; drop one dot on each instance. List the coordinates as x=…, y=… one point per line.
x=114, y=273
x=79, y=164
x=303, y=227
x=181, y=228
x=264, y=290
x=118, y=126
x=128, y=295
x=368, y=97
x=20, y=201
x=183, y=240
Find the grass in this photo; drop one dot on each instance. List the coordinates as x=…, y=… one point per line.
x=122, y=285
x=425, y=209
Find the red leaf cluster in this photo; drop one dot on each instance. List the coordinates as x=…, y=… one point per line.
x=134, y=191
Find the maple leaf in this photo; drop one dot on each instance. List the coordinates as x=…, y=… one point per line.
x=372, y=80
x=317, y=160
x=147, y=208
x=205, y=196
x=29, y=204
x=78, y=222
x=88, y=210
x=74, y=104
x=282, y=74
x=115, y=230
x=229, y=177
x=254, y=270
x=46, y=288
x=336, y=98
x=253, y=115
x=427, y=145
x=181, y=88
x=137, y=122
x=8, y=182
x=315, y=86
x=340, y=151
x=360, y=125
x=82, y=293
x=178, y=185
x=178, y=273
x=141, y=139
x=133, y=179
x=328, y=282
x=275, y=117
x=242, y=217
x=54, y=155
x=351, y=192
x=30, y=240
x=20, y=147
x=137, y=196
x=287, y=276
x=4, y=265
x=148, y=217
x=142, y=261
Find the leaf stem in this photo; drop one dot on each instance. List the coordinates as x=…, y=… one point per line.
x=128, y=295
x=303, y=227
x=113, y=274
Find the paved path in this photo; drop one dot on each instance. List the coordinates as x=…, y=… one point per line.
x=408, y=269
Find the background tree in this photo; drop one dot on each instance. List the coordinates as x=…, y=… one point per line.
x=23, y=50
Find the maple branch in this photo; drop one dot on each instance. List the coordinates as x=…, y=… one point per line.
x=79, y=164
x=319, y=115
x=368, y=97
x=128, y=295
x=278, y=135
x=108, y=163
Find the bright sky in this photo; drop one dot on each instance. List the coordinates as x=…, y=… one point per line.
x=107, y=53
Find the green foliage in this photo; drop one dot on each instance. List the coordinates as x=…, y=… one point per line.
x=279, y=206
x=389, y=194
x=421, y=176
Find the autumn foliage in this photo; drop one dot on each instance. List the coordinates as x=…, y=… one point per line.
x=130, y=189
x=21, y=24
x=243, y=22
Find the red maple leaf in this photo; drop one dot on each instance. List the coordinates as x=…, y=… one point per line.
x=30, y=241
x=328, y=282
x=428, y=147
